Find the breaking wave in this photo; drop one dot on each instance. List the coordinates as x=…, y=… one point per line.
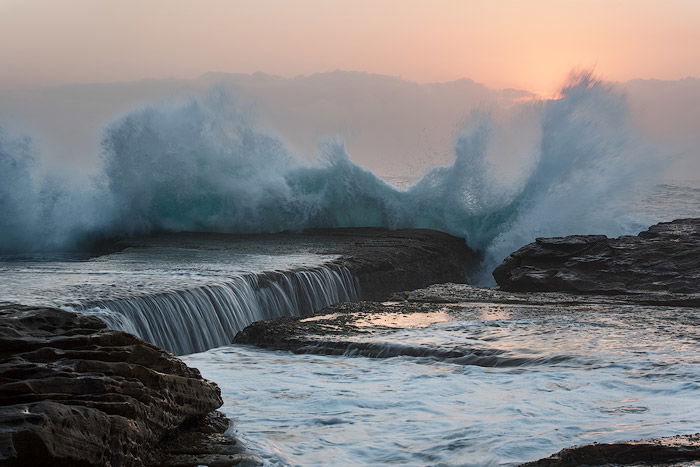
x=202, y=165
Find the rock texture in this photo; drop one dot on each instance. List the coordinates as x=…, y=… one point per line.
x=384, y=261
x=73, y=393
x=387, y=261
x=357, y=328
x=663, y=259
x=681, y=450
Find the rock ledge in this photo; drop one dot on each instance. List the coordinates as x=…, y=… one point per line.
x=73, y=393
x=663, y=259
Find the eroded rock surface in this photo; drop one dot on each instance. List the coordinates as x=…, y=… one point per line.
x=663, y=259
x=333, y=329
x=681, y=450
x=384, y=261
x=73, y=393
x=365, y=328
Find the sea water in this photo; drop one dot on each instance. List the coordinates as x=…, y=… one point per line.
x=561, y=377
x=558, y=377
x=597, y=374
x=182, y=294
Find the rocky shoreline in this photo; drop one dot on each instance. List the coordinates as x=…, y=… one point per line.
x=75, y=393
x=671, y=451
x=662, y=260
x=331, y=330
x=660, y=267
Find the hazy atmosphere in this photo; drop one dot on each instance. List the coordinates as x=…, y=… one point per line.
x=417, y=71
x=510, y=43
x=349, y=232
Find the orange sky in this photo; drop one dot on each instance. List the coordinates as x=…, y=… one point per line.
x=502, y=43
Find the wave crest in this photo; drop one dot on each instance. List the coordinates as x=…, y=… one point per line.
x=202, y=165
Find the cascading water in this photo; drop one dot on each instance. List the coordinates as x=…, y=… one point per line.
x=208, y=316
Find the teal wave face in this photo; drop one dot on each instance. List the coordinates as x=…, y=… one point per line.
x=202, y=165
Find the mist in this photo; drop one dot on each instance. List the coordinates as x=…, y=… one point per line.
x=396, y=128
x=516, y=167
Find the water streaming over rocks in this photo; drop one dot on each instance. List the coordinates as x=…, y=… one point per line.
x=208, y=316
x=492, y=379
x=187, y=293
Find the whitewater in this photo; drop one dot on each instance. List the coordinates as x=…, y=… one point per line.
x=586, y=373
x=201, y=165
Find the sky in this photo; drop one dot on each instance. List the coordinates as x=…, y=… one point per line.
x=502, y=43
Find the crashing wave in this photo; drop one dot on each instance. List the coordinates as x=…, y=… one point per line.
x=203, y=166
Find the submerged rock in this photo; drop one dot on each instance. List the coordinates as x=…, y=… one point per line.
x=75, y=393
x=366, y=328
x=664, y=259
x=680, y=450
x=375, y=329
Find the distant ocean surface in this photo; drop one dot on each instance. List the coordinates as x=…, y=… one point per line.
x=674, y=199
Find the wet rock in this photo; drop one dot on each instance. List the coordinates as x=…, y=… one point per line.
x=367, y=328
x=383, y=260
x=680, y=450
x=73, y=393
x=359, y=328
x=664, y=259
x=465, y=293
x=206, y=444
x=335, y=329
x=387, y=261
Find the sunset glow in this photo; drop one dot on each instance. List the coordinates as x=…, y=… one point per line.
x=509, y=43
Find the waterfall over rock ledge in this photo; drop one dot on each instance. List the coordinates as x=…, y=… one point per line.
x=193, y=320
x=189, y=292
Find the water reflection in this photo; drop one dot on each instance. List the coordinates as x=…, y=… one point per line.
x=633, y=372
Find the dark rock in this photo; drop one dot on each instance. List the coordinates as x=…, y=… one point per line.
x=356, y=328
x=204, y=444
x=384, y=261
x=465, y=293
x=387, y=261
x=73, y=393
x=664, y=259
x=367, y=328
x=674, y=450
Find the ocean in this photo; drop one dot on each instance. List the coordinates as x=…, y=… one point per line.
x=584, y=374
x=587, y=374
